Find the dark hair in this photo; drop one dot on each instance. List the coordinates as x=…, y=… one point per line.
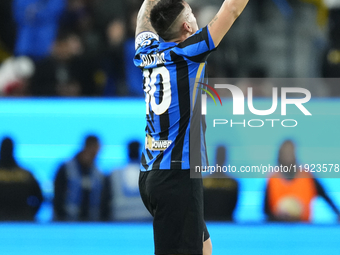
x=221, y=152
x=91, y=140
x=6, y=153
x=134, y=147
x=286, y=142
x=163, y=15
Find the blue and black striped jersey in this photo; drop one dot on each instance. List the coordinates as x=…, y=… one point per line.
x=168, y=71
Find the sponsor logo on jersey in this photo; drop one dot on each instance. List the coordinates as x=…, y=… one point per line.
x=156, y=145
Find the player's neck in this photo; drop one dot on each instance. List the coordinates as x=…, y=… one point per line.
x=180, y=39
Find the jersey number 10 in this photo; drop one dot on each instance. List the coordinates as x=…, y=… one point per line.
x=157, y=85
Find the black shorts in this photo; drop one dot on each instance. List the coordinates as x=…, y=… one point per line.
x=176, y=203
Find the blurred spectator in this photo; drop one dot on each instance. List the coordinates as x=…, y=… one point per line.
x=125, y=201
x=67, y=72
x=113, y=59
x=133, y=76
x=7, y=29
x=331, y=61
x=79, y=19
x=256, y=79
x=20, y=194
x=37, y=26
x=79, y=189
x=107, y=10
x=289, y=194
x=15, y=74
x=220, y=192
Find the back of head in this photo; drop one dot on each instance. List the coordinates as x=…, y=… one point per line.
x=134, y=147
x=163, y=16
x=6, y=153
x=287, y=153
x=91, y=140
x=221, y=155
x=90, y=149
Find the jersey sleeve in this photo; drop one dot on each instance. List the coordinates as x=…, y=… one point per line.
x=197, y=47
x=145, y=39
x=145, y=43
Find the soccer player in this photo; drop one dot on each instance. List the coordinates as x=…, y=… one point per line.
x=170, y=49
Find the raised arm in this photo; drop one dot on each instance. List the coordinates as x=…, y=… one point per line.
x=224, y=19
x=143, y=18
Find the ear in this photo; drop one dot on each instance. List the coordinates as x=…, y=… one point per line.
x=187, y=27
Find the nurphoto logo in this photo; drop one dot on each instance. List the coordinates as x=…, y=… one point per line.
x=238, y=104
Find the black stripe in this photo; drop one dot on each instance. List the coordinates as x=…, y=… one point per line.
x=158, y=161
x=144, y=84
x=196, y=38
x=149, y=121
x=149, y=131
x=164, y=120
x=143, y=161
x=161, y=89
x=199, y=58
x=151, y=115
x=183, y=93
x=205, y=36
x=161, y=51
x=149, y=154
x=153, y=47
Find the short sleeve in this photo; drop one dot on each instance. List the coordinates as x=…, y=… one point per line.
x=197, y=47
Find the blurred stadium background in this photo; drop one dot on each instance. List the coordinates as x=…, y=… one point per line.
x=79, y=78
